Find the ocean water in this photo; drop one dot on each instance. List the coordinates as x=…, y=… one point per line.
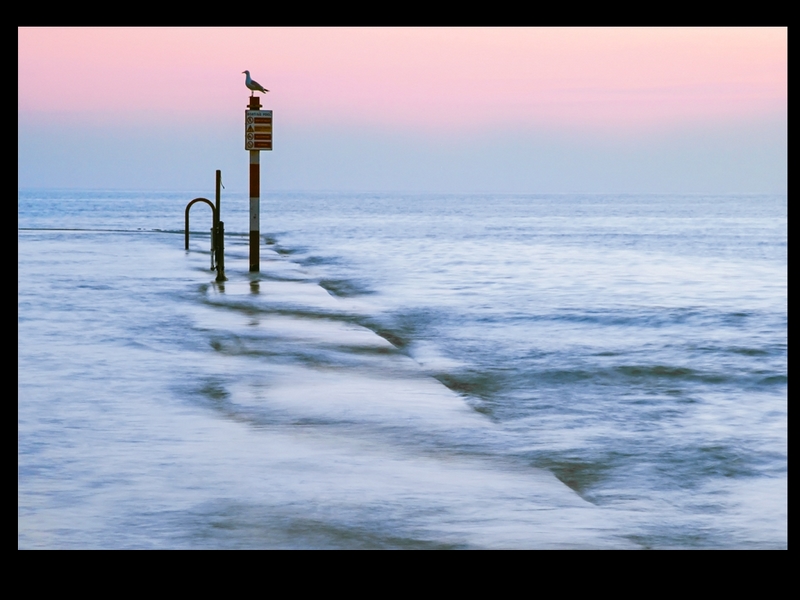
x=406, y=371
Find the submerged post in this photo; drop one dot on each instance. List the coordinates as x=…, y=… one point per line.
x=257, y=137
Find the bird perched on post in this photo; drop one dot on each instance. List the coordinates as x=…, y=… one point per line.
x=253, y=86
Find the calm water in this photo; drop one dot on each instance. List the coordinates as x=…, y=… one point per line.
x=423, y=371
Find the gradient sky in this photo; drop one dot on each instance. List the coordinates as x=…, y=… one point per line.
x=408, y=109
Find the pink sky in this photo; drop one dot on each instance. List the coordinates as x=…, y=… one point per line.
x=455, y=79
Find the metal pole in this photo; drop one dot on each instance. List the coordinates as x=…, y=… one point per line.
x=219, y=232
x=217, y=213
x=214, y=225
x=255, y=201
x=255, y=198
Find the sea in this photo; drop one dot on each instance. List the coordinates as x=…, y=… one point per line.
x=405, y=371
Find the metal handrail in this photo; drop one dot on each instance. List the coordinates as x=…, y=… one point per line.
x=186, y=220
x=217, y=232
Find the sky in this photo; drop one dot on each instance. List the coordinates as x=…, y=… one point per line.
x=518, y=110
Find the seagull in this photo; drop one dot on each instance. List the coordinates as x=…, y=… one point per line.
x=254, y=86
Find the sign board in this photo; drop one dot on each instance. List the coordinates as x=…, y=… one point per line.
x=258, y=130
